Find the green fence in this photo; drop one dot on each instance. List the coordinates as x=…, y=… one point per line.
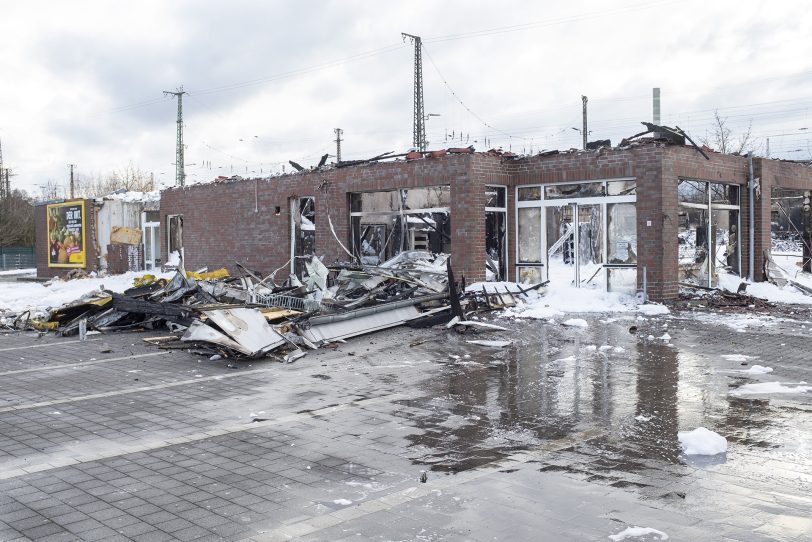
x=17, y=258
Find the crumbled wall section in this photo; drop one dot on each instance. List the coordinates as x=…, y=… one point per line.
x=42, y=245
x=237, y=221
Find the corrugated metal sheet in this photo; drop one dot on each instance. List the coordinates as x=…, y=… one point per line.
x=366, y=322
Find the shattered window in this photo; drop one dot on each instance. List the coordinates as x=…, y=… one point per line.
x=496, y=196
x=709, y=239
x=304, y=226
x=621, y=188
x=175, y=230
x=693, y=192
x=790, y=249
x=726, y=194
x=622, y=238
x=388, y=222
x=495, y=233
x=530, y=193
x=577, y=190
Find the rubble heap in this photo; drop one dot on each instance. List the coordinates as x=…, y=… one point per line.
x=250, y=316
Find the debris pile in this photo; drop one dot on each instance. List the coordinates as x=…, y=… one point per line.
x=250, y=316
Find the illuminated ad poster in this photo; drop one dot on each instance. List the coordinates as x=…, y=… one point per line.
x=66, y=234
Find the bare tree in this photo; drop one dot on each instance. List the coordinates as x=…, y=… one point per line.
x=129, y=178
x=721, y=138
x=16, y=220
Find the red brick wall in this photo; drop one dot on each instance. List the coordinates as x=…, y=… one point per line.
x=236, y=221
x=42, y=244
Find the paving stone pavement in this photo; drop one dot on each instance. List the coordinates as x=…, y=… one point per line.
x=568, y=434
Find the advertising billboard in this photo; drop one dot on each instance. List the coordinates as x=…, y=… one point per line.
x=66, y=234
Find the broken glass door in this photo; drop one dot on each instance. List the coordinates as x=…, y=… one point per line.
x=562, y=242
x=589, y=243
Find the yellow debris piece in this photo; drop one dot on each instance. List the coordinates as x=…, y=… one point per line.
x=216, y=274
x=144, y=280
x=42, y=325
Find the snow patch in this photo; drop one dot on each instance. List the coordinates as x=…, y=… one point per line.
x=765, y=290
x=652, y=309
x=39, y=297
x=641, y=418
x=702, y=441
x=769, y=387
x=735, y=357
x=28, y=271
x=636, y=532
x=495, y=344
x=757, y=370
x=575, y=322
x=342, y=502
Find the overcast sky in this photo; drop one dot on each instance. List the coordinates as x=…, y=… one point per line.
x=268, y=81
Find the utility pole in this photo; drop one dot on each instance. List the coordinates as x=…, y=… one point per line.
x=180, y=175
x=71, y=180
x=419, y=123
x=583, y=130
x=338, y=132
x=656, y=105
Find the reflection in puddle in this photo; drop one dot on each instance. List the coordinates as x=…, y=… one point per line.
x=600, y=400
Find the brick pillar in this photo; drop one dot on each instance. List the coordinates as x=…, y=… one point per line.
x=468, y=229
x=657, y=222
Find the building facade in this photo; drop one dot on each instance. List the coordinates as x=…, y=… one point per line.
x=643, y=217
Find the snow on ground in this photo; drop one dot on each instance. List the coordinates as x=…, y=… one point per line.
x=736, y=322
x=763, y=388
x=736, y=357
x=757, y=370
x=702, y=441
x=38, y=297
x=562, y=300
x=494, y=344
x=652, y=309
x=636, y=532
x=765, y=290
x=32, y=271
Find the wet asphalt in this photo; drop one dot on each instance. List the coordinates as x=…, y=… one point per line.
x=569, y=433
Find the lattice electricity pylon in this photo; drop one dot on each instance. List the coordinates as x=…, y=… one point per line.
x=419, y=123
x=180, y=175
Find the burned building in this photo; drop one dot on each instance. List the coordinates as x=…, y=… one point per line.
x=644, y=216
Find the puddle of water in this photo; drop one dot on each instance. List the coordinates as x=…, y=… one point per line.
x=613, y=400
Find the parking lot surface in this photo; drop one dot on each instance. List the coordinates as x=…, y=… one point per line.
x=569, y=433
